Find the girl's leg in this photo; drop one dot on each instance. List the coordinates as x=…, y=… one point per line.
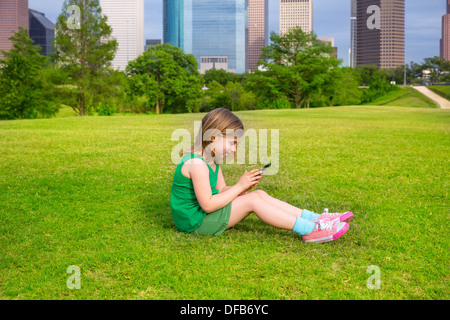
x=269, y=213
x=286, y=207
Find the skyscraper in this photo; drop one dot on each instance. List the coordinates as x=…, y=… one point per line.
x=352, y=50
x=13, y=14
x=126, y=19
x=41, y=31
x=296, y=13
x=213, y=31
x=445, y=40
x=257, y=31
x=380, y=33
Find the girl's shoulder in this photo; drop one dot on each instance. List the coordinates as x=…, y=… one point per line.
x=193, y=163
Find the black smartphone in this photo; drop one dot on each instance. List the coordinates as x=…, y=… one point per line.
x=266, y=166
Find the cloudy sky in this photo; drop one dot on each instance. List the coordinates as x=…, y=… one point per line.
x=331, y=18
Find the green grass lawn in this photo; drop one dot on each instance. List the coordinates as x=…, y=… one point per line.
x=94, y=192
x=443, y=91
x=405, y=97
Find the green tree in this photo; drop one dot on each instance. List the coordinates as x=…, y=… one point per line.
x=439, y=68
x=219, y=75
x=83, y=53
x=341, y=87
x=24, y=91
x=294, y=67
x=167, y=77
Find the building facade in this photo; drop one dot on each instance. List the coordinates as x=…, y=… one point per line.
x=41, y=31
x=352, y=50
x=126, y=19
x=296, y=13
x=258, y=31
x=13, y=14
x=380, y=33
x=445, y=40
x=210, y=30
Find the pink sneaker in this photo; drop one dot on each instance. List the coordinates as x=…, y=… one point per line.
x=326, y=230
x=343, y=217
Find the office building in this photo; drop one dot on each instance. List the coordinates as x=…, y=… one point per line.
x=213, y=31
x=445, y=40
x=380, y=33
x=352, y=50
x=41, y=31
x=296, y=13
x=330, y=42
x=151, y=42
x=126, y=19
x=258, y=31
x=13, y=14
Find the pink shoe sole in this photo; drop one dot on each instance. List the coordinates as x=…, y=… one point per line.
x=341, y=232
x=346, y=217
x=335, y=236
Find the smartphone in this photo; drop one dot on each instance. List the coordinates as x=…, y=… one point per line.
x=266, y=166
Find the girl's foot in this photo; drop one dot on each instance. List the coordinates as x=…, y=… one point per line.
x=326, y=230
x=343, y=217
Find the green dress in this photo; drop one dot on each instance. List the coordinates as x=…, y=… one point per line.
x=186, y=211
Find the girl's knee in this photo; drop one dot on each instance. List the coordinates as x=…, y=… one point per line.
x=261, y=194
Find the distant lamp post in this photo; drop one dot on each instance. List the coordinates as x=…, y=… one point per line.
x=205, y=88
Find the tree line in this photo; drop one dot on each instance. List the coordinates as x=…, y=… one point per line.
x=295, y=71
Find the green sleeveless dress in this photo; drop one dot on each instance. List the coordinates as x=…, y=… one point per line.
x=187, y=213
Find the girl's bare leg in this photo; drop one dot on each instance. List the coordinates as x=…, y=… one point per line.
x=271, y=212
x=288, y=208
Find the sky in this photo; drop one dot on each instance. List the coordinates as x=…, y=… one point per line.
x=331, y=18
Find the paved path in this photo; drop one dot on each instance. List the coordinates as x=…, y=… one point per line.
x=442, y=102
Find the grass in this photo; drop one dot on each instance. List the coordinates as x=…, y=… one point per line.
x=443, y=91
x=94, y=192
x=405, y=97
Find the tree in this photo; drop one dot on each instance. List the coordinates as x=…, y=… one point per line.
x=341, y=87
x=294, y=67
x=84, y=52
x=439, y=68
x=24, y=91
x=219, y=75
x=167, y=77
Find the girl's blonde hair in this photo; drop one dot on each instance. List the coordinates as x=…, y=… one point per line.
x=215, y=122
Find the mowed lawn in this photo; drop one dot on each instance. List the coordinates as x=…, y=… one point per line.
x=94, y=193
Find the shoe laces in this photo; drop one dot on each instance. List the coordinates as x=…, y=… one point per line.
x=325, y=224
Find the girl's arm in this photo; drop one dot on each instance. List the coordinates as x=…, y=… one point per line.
x=199, y=174
x=221, y=185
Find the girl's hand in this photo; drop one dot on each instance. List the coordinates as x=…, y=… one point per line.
x=249, y=180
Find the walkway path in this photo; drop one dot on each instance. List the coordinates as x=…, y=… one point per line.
x=442, y=102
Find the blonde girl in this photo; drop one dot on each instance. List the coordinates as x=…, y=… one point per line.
x=202, y=203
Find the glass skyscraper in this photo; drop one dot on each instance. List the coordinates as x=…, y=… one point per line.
x=213, y=31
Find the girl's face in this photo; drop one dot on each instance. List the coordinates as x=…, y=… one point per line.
x=224, y=146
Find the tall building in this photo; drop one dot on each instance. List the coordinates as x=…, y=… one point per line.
x=296, y=13
x=445, y=40
x=213, y=31
x=126, y=19
x=258, y=28
x=13, y=14
x=380, y=33
x=330, y=42
x=41, y=31
x=352, y=50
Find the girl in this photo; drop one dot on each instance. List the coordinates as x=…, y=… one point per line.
x=201, y=202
